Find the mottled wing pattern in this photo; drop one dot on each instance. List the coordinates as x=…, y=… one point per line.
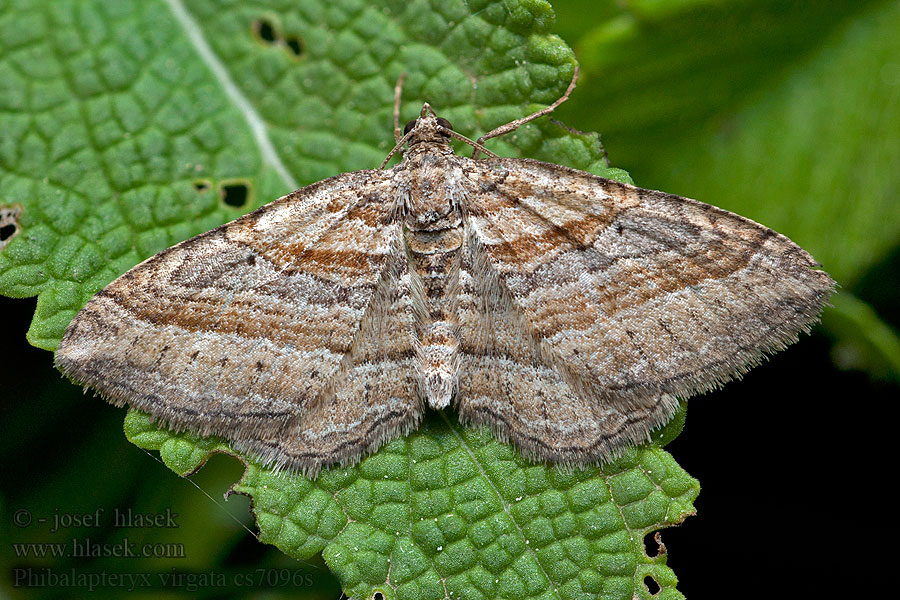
x=618, y=299
x=510, y=381
x=259, y=328
x=374, y=396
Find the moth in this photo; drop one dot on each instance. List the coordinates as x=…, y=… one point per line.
x=565, y=310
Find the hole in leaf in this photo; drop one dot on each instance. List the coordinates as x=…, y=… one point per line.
x=9, y=223
x=651, y=584
x=265, y=31
x=378, y=596
x=201, y=185
x=295, y=45
x=653, y=545
x=235, y=194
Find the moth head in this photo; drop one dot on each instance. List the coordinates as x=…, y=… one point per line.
x=428, y=128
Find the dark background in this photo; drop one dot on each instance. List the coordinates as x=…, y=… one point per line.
x=794, y=461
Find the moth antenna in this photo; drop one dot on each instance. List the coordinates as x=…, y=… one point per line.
x=513, y=125
x=393, y=151
x=398, y=89
x=478, y=147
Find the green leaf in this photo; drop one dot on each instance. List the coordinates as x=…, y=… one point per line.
x=129, y=126
x=788, y=113
x=448, y=511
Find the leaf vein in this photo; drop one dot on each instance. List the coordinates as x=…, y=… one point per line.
x=254, y=120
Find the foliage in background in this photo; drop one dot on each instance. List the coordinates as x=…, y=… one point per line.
x=692, y=96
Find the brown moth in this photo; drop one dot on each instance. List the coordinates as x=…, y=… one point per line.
x=565, y=310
